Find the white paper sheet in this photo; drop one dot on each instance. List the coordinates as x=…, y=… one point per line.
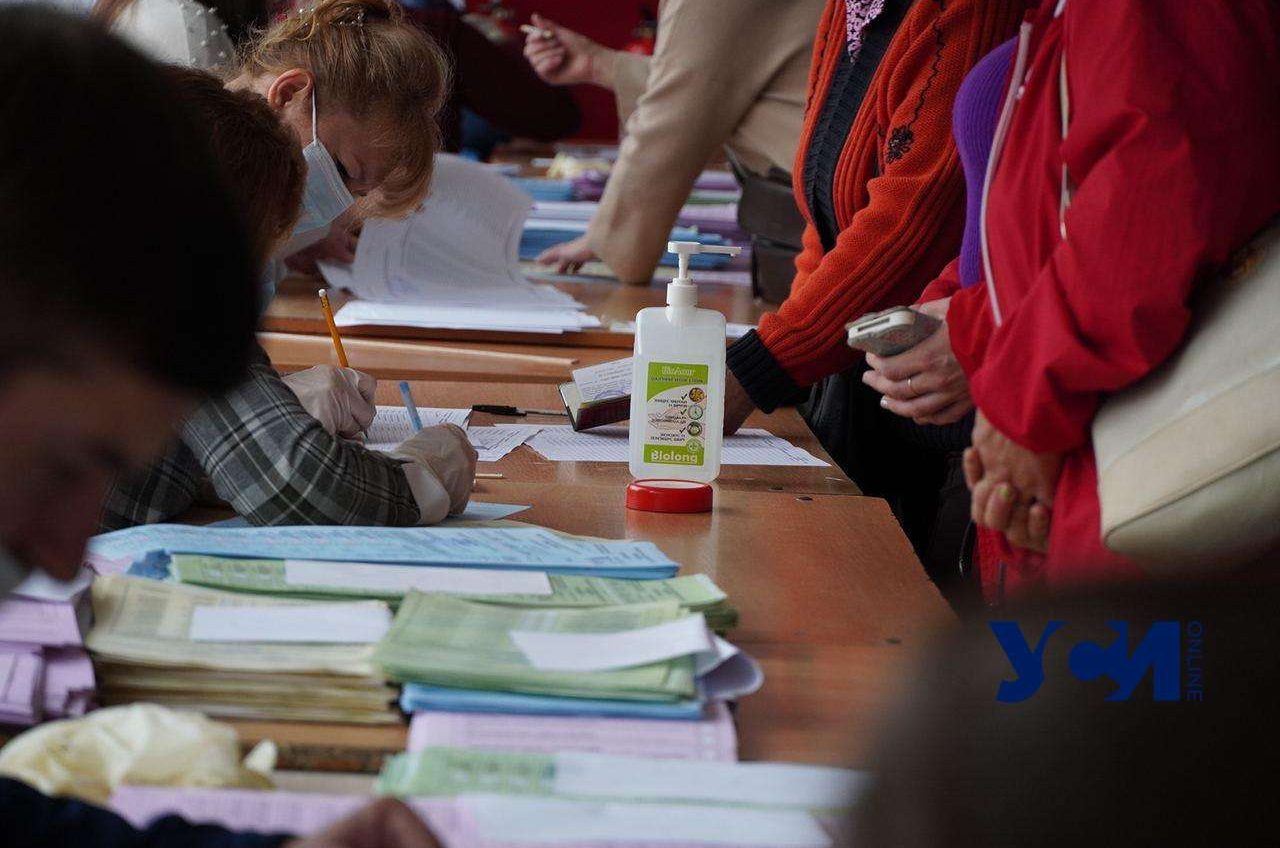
x=330, y=624
x=493, y=443
x=392, y=426
x=621, y=649
x=454, y=263
x=559, y=443
x=606, y=380
x=41, y=587
x=424, y=578
x=515, y=820
x=547, y=319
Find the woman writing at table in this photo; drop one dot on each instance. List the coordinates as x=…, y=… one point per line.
x=358, y=89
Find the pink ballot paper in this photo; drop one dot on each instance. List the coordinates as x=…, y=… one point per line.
x=51, y=623
x=712, y=738
x=68, y=682
x=21, y=684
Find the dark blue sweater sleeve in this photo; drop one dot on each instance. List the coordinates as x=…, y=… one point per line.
x=30, y=819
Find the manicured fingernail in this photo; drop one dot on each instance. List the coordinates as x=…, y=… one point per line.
x=884, y=402
x=1006, y=491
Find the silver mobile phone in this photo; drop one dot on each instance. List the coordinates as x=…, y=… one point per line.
x=892, y=331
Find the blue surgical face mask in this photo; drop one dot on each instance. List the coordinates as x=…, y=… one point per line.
x=325, y=197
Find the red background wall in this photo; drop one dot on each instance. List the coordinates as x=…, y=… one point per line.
x=609, y=22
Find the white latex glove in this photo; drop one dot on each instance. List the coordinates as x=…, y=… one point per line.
x=341, y=399
x=441, y=469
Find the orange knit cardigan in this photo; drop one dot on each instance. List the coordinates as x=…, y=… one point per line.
x=898, y=192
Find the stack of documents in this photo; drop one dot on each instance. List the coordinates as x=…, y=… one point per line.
x=330, y=581
x=514, y=548
x=711, y=186
x=544, y=233
x=45, y=672
x=578, y=797
x=646, y=660
x=560, y=443
x=493, y=820
x=453, y=264
x=718, y=218
x=238, y=656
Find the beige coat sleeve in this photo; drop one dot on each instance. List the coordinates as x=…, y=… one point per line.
x=630, y=75
x=711, y=63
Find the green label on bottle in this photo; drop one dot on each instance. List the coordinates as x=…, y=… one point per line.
x=675, y=406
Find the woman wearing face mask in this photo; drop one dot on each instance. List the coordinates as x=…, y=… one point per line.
x=360, y=90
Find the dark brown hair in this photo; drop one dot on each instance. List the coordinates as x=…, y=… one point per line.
x=258, y=155
x=117, y=232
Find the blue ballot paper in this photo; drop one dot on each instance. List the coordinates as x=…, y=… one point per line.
x=481, y=547
x=417, y=696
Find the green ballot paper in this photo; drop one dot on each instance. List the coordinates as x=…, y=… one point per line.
x=350, y=581
x=443, y=641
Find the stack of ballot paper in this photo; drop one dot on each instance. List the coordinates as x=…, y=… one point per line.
x=514, y=548
x=453, y=264
x=539, y=797
x=638, y=660
x=330, y=581
x=718, y=218
x=238, y=656
x=543, y=233
x=45, y=672
x=711, y=738
x=488, y=820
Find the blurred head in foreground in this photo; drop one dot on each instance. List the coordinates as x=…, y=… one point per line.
x=979, y=754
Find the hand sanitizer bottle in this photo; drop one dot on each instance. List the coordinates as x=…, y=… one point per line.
x=677, y=381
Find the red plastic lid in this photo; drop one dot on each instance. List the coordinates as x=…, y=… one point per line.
x=669, y=496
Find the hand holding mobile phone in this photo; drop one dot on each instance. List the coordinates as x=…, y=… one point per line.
x=892, y=331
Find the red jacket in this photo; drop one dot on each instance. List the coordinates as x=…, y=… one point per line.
x=1174, y=150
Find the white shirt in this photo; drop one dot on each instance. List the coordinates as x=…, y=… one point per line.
x=176, y=32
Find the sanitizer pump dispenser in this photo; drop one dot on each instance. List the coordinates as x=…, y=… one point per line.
x=677, y=381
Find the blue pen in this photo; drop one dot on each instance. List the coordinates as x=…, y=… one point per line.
x=410, y=406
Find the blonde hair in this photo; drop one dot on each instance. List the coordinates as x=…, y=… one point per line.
x=367, y=59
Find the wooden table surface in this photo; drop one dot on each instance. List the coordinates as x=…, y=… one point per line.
x=406, y=359
x=296, y=309
x=525, y=465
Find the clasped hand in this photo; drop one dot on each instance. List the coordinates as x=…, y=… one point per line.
x=1013, y=487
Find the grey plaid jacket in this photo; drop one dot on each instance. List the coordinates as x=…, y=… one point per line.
x=274, y=463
